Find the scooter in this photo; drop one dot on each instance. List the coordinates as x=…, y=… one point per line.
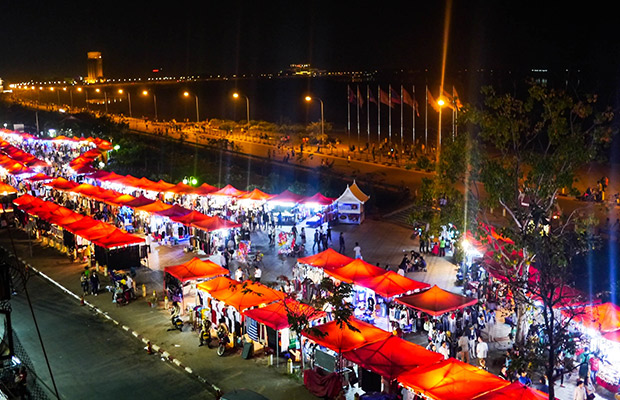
x=222, y=337
x=177, y=323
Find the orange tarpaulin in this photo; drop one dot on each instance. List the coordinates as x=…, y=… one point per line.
x=275, y=315
x=230, y=191
x=97, y=231
x=62, y=184
x=190, y=218
x=392, y=357
x=174, y=211
x=195, y=269
x=355, y=271
x=436, y=301
x=6, y=189
x=390, y=284
x=154, y=207
x=451, y=379
x=137, y=202
x=328, y=259
x=514, y=391
x=117, y=238
x=204, y=189
x=256, y=195
x=248, y=294
x=601, y=317
x=26, y=199
x=214, y=223
x=345, y=339
x=219, y=283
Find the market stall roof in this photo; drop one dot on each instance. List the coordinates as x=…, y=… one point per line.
x=357, y=192
x=40, y=209
x=164, y=186
x=256, y=195
x=567, y=296
x=174, y=211
x=195, y=269
x=111, y=177
x=214, y=223
x=287, y=197
x=61, y=183
x=40, y=177
x=228, y=190
x=391, y=284
x=190, y=218
x=355, y=271
x=63, y=220
x=319, y=199
x=392, y=357
x=121, y=199
x=327, y=259
x=26, y=199
x=179, y=188
x=117, y=238
x=153, y=207
x=451, y=379
x=514, y=391
x=6, y=189
x=216, y=284
x=204, y=189
x=97, y=231
x=601, y=317
x=612, y=336
x=349, y=197
x=81, y=224
x=436, y=301
x=275, y=315
x=343, y=339
x=100, y=174
x=137, y=202
x=248, y=294
x=87, y=190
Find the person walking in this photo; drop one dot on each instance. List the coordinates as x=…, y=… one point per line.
x=341, y=249
x=580, y=391
x=329, y=233
x=258, y=273
x=358, y=251
x=316, y=240
x=482, y=350
x=463, y=346
x=84, y=282
x=94, y=283
x=442, y=247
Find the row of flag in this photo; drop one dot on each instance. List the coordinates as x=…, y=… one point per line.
x=391, y=98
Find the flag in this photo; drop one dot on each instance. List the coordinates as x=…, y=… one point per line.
x=395, y=96
x=371, y=97
x=383, y=98
x=431, y=100
x=351, y=95
x=410, y=101
x=360, y=99
x=457, y=101
x=448, y=99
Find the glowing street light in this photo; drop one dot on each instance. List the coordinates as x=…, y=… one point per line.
x=120, y=91
x=187, y=94
x=309, y=99
x=146, y=93
x=247, y=108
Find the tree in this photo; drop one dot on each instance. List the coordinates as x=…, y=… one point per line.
x=519, y=155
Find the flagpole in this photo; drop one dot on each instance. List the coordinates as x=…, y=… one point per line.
x=358, y=116
x=390, y=113
x=456, y=111
x=426, y=119
x=368, y=112
x=349, y=114
x=401, y=117
x=453, y=115
x=379, y=114
x=413, y=111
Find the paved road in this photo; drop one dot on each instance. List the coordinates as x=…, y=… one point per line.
x=89, y=356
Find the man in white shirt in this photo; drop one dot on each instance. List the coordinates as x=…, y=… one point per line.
x=239, y=274
x=482, y=349
x=444, y=350
x=358, y=251
x=257, y=274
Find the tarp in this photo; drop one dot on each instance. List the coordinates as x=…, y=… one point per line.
x=190, y=218
x=179, y=188
x=137, y=202
x=204, y=189
x=601, y=317
x=355, y=271
x=174, y=211
x=40, y=177
x=357, y=192
x=248, y=294
x=275, y=315
x=256, y=195
x=154, y=207
x=26, y=199
x=97, y=231
x=117, y=238
x=451, y=379
x=391, y=284
x=287, y=197
x=319, y=199
x=436, y=301
x=61, y=183
x=6, y=189
x=327, y=259
x=81, y=224
x=214, y=223
x=514, y=391
x=219, y=283
x=345, y=339
x=121, y=200
x=392, y=357
x=195, y=269
x=228, y=190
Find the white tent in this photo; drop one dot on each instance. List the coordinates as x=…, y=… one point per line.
x=351, y=205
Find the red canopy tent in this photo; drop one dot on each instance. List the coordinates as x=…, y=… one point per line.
x=40, y=177
x=180, y=188
x=190, y=218
x=514, y=391
x=97, y=231
x=81, y=224
x=355, y=271
x=195, y=269
x=436, y=301
x=327, y=259
x=248, y=294
x=256, y=195
x=287, y=197
x=275, y=315
x=451, y=379
x=601, y=317
x=343, y=339
x=216, y=284
x=228, y=190
x=137, y=202
x=117, y=238
x=6, y=189
x=319, y=199
x=63, y=220
x=214, y=223
x=120, y=200
x=154, y=207
x=392, y=357
x=164, y=186
x=174, y=211
x=26, y=199
x=204, y=189
x=390, y=284
x=61, y=183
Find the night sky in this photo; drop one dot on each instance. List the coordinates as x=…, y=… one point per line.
x=50, y=39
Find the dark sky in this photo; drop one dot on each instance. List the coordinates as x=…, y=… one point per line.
x=50, y=39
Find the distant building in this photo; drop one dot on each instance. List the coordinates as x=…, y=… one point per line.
x=94, y=65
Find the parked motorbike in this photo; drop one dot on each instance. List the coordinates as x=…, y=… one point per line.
x=222, y=337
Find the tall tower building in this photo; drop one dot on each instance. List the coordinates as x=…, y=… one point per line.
x=94, y=65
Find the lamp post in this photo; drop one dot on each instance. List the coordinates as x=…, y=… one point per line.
x=440, y=103
x=309, y=99
x=247, y=109
x=105, y=98
x=120, y=91
x=187, y=94
x=85, y=95
x=70, y=95
x=146, y=93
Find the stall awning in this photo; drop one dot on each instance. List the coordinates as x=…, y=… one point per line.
x=256, y=195
x=392, y=357
x=391, y=284
x=319, y=199
x=229, y=191
x=26, y=199
x=355, y=271
x=248, y=294
x=179, y=188
x=327, y=259
x=216, y=284
x=514, y=391
x=601, y=317
x=190, y=218
x=154, y=207
x=117, y=238
x=40, y=177
x=62, y=184
x=343, y=339
x=195, y=269
x=436, y=301
x=275, y=315
x=137, y=202
x=451, y=379
x=97, y=231
x=204, y=189
x=6, y=189
x=287, y=197
x=214, y=223
x=81, y=224
x=174, y=211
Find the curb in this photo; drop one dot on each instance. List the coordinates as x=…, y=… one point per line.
x=162, y=353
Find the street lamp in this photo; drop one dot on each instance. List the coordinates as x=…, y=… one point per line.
x=85, y=95
x=309, y=99
x=105, y=98
x=120, y=91
x=146, y=93
x=247, y=108
x=441, y=103
x=187, y=94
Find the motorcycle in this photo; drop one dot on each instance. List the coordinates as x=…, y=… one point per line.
x=222, y=337
x=177, y=323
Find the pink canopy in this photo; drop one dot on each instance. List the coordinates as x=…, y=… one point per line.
x=228, y=190
x=319, y=199
x=287, y=197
